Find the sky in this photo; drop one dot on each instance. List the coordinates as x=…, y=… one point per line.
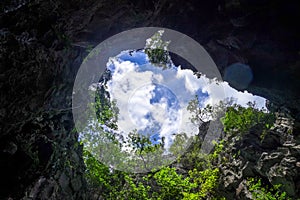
x=154, y=101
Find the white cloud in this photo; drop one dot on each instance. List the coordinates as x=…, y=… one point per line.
x=133, y=87
x=121, y=87
x=139, y=105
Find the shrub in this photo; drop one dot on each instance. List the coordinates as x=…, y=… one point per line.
x=260, y=192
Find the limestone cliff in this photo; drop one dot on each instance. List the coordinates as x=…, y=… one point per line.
x=44, y=42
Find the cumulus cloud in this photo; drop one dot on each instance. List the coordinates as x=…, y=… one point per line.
x=134, y=82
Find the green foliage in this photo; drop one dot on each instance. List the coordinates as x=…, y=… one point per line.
x=142, y=144
x=219, y=147
x=156, y=49
x=112, y=184
x=107, y=112
x=134, y=190
x=206, y=180
x=199, y=115
x=97, y=173
x=194, y=158
x=209, y=112
x=167, y=183
x=179, y=144
x=260, y=192
x=201, y=177
x=238, y=119
x=171, y=184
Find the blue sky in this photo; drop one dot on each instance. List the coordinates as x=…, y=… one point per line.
x=154, y=101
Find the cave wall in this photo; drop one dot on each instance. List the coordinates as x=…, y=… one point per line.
x=44, y=42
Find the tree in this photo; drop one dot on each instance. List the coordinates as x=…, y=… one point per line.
x=259, y=191
x=157, y=50
x=194, y=175
x=239, y=119
x=201, y=176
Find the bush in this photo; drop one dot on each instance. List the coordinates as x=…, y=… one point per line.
x=260, y=192
x=238, y=119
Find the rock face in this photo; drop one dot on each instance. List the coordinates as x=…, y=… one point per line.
x=40, y=155
x=44, y=42
x=273, y=158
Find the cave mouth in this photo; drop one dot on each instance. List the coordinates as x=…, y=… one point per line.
x=37, y=43
x=144, y=106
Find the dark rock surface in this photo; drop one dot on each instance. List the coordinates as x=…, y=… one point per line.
x=42, y=44
x=273, y=158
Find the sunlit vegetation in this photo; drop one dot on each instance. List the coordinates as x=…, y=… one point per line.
x=167, y=183
x=198, y=174
x=106, y=110
x=157, y=50
x=239, y=120
x=261, y=192
x=194, y=175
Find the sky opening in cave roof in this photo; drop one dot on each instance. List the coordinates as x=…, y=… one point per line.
x=154, y=101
